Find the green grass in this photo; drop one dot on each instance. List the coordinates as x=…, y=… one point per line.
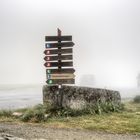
x=37, y=113
x=110, y=120
x=127, y=121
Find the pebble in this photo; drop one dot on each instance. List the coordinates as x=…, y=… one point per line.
x=4, y=136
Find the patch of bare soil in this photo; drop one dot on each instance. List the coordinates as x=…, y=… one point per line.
x=10, y=131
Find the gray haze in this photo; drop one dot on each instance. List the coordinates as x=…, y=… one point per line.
x=106, y=34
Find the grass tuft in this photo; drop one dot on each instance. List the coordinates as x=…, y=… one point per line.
x=5, y=113
x=35, y=114
x=97, y=108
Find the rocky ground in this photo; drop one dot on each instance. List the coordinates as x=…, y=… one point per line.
x=10, y=131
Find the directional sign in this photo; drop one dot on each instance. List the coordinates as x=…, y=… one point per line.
x=60, y=81
x=56, y=45
x=58, y=38
x=55, y=58
x=58, y=51
x=59, y=71
x=59, y=48
x=60, y=76
x=56, y=64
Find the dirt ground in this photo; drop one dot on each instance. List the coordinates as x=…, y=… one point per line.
x=12, y=131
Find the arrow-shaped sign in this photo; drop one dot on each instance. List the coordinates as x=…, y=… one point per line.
x=58, y=51
x=55, y=58
x=60, y=76
x=60, y=81
x=56, y=64
x=59, y=71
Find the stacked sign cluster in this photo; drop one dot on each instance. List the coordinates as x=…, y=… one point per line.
x=58, y=57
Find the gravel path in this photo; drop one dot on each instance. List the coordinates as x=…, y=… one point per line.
x=10, y=131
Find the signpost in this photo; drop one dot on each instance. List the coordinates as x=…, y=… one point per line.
x=59, y=55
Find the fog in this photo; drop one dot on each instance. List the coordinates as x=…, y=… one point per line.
x=105, y=32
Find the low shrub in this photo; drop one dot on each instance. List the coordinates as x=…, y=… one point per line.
x=137, y=99
x=35, y=114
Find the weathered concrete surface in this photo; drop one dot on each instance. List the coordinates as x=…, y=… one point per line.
x=78, y=97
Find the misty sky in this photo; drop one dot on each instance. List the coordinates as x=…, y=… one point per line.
x=106, y=34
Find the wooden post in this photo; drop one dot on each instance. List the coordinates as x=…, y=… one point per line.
x=59, y=65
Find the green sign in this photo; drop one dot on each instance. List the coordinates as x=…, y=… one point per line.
x=50, y=81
